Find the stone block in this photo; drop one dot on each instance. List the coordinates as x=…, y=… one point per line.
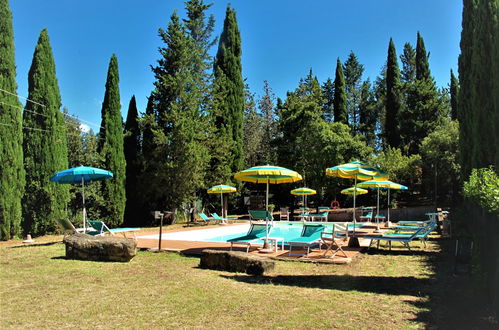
x=99, y=248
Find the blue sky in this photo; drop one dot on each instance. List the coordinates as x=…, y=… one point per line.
x=281, y=41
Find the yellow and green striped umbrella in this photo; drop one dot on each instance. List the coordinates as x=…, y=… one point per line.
x=221, y=189
x=303, y=192
x=353, y=190
x=358, y=171
x=382, y=184
x=268, y=174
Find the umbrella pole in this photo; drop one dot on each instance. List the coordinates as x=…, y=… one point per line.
x=222, y=205
x=377, y=213
x=388, y=208
x=84, y=210
x=354, y=193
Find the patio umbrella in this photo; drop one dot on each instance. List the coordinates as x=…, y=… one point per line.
x=357, y=171
x=221, y=189
x=268, y=174
x=81, y=174
x=353, y=190
x=303, y=192
x=382, y=184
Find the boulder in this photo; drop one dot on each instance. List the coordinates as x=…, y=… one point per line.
x=99, y=248
x=236, y=261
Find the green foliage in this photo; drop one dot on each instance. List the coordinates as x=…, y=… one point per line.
x=483, y=188
x=422, y=65
x=408, y=59
x=131, y=151
x=45, y=146
x=478, y=96
x=111, y=149
x=353, y=74
x=393, y=103
x=268, y=113
x=368, y=114
x=439, y=152
x=403, y=169
x=454, y=95
x=253, y=131
x=180, y=155
x=12, y=175
x=328, y=94
x=229, y=92
x=340, y=98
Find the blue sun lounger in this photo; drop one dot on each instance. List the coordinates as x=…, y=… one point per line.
x=310, y=235
x=256, y=233
x=420, y=233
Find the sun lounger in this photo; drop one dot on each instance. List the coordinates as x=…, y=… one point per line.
x=67, y=226
x=256, y=233
x=102, y=229
x=217, y=217
x=366, y=217
x=322, y=216
x=420, y=233
x=260, y=215
x=207, y=220
x=310, y=235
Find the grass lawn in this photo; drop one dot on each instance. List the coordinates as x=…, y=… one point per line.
x=39, y=288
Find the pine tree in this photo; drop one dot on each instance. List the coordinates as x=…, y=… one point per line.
x=353, y=74
x=368, y=114
x=424, y=105
x=44, y=145
x=267, y=110
x=111, y=149
x=340, y=102
x=12, y=176
x=229, y=90
x=393, y=99
x=180, y=151
x=328, y=94
x=454, y=95
x=131, y=150
x=408, y=59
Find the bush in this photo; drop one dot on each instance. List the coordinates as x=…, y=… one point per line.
x=483, y=188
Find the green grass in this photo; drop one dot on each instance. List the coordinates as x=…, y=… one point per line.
x=39, y=288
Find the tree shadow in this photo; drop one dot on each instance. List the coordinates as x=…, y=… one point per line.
x=32, y=245
x=392, y=285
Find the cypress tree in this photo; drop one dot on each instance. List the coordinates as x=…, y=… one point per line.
x=132, y=158
x=368, y=114
x=229, y=90
x=340, y=98
x=44, y=145
x=422, y=65
x=12, y=174
x=454, y=94
x=111, y=149
x=393, y=103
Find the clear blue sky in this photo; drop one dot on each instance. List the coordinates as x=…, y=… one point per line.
x=281, y=40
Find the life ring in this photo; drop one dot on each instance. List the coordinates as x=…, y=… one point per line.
x=335, y=204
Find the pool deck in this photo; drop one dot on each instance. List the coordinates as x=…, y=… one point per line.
x=195, y=248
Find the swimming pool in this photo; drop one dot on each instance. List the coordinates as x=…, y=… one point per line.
x=285, y=229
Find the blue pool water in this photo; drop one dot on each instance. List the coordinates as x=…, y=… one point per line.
x=285, y=229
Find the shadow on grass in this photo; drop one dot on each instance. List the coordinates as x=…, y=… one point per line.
x=32, y=245
x=395, y=285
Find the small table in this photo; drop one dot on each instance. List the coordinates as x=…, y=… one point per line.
x=274, y=241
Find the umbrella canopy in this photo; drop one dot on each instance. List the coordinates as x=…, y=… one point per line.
x=81, y=174
x=354, y=190
x=268, y=174
x=357, y=171
x=221, y=189
x=382, y=184
x=303, y=192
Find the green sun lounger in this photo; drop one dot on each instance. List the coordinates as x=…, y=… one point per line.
x=102, y=229
x=420, y=233
x=256, y=233
x=310, y=235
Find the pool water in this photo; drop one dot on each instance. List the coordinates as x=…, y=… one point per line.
x=285, y=229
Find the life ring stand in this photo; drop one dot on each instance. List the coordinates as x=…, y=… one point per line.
x=335, y=204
